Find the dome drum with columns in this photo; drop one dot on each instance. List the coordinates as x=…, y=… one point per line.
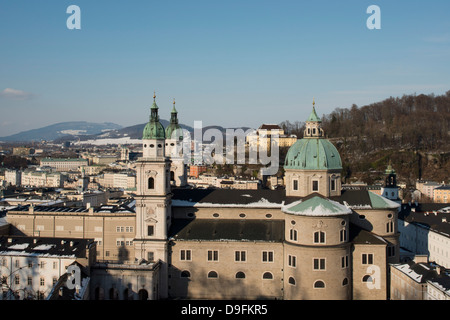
x=313, y=163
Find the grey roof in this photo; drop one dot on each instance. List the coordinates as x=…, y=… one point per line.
x=228, y=229
x=428, y=216
x=357, y=235
x=422, y=272
x=228, y=196
x=44, y=246
x=362, y=199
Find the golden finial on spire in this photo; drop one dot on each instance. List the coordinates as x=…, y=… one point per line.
x=173, y=101
x=154, y=95
x=314, y=103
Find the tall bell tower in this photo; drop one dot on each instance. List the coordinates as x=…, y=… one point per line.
x=153, y=198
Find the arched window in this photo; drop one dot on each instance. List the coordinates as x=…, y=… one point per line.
x=319, y=237
x=319, y=284
x=151, y=183
x=172, y=176
x=292, y=281
x=367, y=278
x=240, y=275
x=185, y=274
x=267, y=275
x=212, y=275
x=113, y=294
x=345, y=282
x=143, y=294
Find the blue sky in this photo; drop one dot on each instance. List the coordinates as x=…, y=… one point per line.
x=231, y=63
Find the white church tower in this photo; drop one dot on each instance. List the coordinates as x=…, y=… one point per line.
x=174, y=150
x=153, y=198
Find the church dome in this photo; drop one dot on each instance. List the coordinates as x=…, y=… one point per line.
x=313, y=154
x=153, y=129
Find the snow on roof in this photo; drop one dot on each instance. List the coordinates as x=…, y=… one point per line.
x=405, y=268
x=44, y=247
x=19, y=246
x=262, y=203
x=316, y=206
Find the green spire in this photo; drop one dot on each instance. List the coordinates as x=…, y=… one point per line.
x=174, y=126
x=313, y=117
x=154, y=129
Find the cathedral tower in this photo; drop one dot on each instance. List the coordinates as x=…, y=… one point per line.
x=153, y=212
x=174, y=150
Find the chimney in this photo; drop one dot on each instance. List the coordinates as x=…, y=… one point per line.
x=418, y=258
x=438, y=270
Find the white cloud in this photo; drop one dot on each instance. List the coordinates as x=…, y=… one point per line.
x=14, y=94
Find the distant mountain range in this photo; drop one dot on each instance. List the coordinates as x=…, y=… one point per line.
x=97, y=133
x=60, y=130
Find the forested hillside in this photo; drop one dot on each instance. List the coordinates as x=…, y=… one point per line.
x=412, y=132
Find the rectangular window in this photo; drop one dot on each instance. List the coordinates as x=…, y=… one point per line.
x=55, y=265
x=344, y=262
x=151, y=256
x=30, y=281
x=292, y=261
x=293, y=235
x=150, y=230
x=267, y=256
x=213, y=255
x=295, y=185
x=367, y=258
x=42, y=282
x=319, y=264
x=185, y=255
x=239, y=256
x=315, y=185
x=333, y=185
x=343, y=235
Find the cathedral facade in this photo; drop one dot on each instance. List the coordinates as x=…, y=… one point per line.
x=312, y=240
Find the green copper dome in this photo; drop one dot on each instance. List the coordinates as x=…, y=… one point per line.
x=313, y=154
x=154, y=129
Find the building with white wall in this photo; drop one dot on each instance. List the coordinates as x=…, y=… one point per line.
x=31, y=266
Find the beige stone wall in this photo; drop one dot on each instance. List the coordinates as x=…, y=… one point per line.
x=124, y=282
x=226, y=285
x=114, y=233
x=227, y=213
x=376, y=290
x=402, y=287
x=300, y=281
x=305, y=180
x=307, y=226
